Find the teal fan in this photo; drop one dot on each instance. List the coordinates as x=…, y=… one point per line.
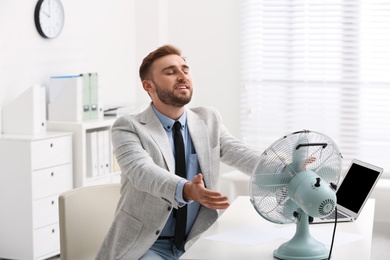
x=294, y=179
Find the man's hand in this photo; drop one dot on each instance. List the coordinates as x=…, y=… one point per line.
x=308, y=161
x=196, y=191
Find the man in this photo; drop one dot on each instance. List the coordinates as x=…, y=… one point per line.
x=152, y=195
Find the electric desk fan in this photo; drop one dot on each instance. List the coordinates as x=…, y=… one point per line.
x=296, y=178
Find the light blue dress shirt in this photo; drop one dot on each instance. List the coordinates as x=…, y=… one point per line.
x=193, y=168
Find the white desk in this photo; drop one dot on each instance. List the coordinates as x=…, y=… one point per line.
x=242, y=214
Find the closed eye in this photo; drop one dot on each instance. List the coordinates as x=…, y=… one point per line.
x=174, y=70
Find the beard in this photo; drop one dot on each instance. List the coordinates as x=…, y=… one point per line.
x=169, y=97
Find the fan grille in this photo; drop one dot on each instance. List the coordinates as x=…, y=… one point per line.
x=288, y=156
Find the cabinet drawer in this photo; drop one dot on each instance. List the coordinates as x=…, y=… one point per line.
x=46, y=240
x=45, y=211
x=52, y=181
x=50, y=152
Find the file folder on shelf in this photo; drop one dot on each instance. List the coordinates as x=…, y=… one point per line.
x=103, y=139
x=106, y=151
x=74, y=98
x=92, y=154
x=98, y=153
x=27, y=113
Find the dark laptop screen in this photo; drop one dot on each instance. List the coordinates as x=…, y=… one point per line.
x=356, y=186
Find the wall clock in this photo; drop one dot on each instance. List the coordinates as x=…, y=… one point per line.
x=49, y=18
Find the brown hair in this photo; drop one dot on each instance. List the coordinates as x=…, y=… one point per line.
x=162, y=51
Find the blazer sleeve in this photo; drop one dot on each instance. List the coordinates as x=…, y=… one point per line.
x=232, y=151
x=237, y=154
x=141, y=160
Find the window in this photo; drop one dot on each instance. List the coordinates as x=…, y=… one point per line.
x=318, y=65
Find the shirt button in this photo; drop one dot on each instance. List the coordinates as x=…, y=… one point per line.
x=157, y=232
x=169, y=208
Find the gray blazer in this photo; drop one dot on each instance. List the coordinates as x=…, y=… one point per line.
x=148, y=180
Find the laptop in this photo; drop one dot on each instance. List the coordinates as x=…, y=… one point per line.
x=354, y=191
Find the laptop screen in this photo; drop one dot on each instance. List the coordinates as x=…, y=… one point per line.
x=357, y=185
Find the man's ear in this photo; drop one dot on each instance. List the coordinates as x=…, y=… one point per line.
x=147, y=85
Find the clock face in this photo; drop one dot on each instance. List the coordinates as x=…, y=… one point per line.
x=49, y=18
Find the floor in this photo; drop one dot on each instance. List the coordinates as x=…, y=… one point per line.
x=380, y=243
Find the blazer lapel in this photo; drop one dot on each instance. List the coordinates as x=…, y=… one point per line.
x=158, y=134
x=200, y=139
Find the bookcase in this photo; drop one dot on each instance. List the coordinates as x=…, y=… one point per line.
x=34, y=171
x=93, y=160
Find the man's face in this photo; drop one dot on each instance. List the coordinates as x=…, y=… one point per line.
x=171, y=81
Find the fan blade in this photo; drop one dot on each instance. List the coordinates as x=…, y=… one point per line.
x=289, y=208
x=299, y=154
x=272, y=179
x=327, y=173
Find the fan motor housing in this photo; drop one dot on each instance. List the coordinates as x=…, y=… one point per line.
x=312, y=194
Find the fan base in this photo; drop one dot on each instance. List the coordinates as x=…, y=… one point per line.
x=296, y=250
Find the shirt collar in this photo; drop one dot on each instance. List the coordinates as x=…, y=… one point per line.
x=167, y=122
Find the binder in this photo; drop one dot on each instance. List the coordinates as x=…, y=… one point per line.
x=27, y=113
x=93, y=95
x=74, y=98
x=101, y=152
x=106, y=151
x=92, y=154
x=98, y=153
x=66, y=98
x=86, y=97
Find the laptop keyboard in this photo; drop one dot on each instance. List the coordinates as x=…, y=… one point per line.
x=340, y=215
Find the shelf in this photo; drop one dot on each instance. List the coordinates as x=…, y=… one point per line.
x=81, y=153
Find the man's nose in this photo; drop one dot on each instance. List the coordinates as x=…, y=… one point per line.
x=182, y=77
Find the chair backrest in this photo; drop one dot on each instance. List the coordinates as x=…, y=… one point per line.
x=86, y=214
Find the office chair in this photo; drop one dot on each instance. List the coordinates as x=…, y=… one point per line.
x=85, y=216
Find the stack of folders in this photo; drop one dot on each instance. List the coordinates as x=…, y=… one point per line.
x=74, y=98
x=98, y=153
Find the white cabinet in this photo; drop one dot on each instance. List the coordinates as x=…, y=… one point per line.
x=93, y=161
x=34, y=170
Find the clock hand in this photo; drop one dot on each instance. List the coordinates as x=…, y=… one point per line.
x=45, y=13
x=46, y=10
